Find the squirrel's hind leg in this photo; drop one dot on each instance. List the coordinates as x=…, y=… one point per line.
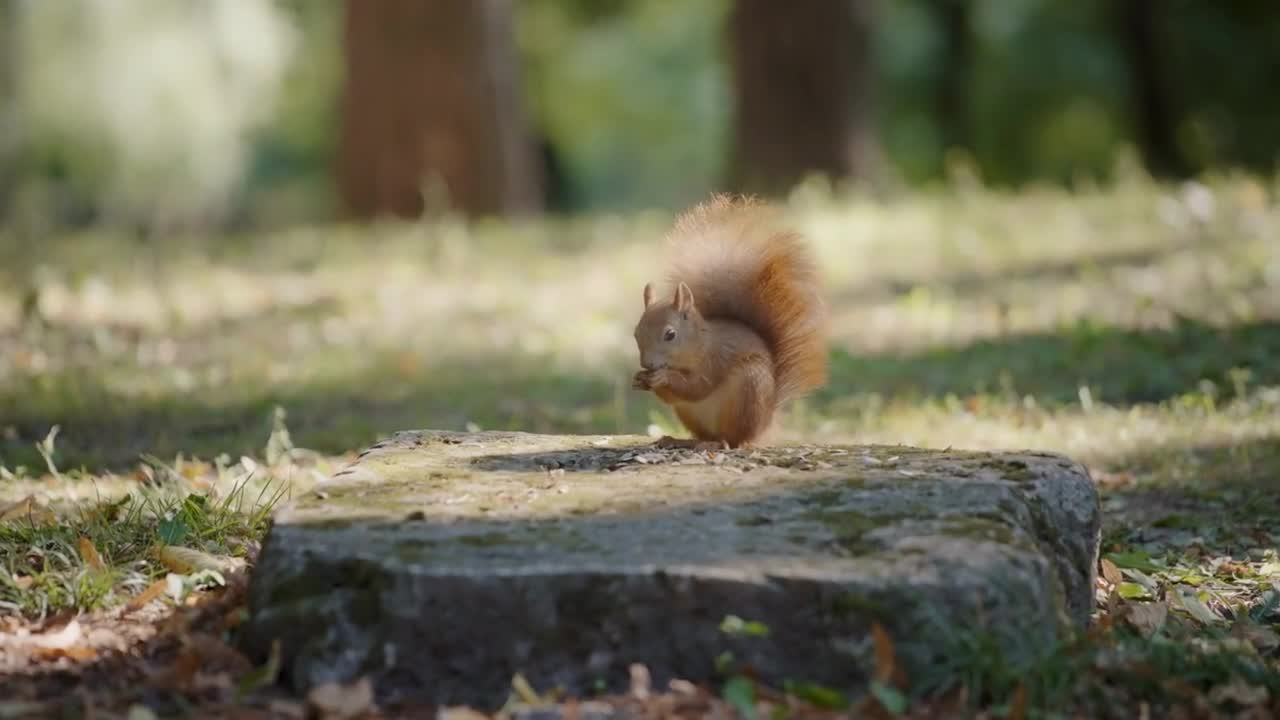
x=748, y=411
x=703, y=439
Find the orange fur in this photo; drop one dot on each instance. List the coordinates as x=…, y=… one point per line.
x=748, y=319
x=742, y=267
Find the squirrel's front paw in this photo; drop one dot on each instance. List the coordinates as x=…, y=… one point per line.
x=660, y=377
x=650, y=379
x=640, y=381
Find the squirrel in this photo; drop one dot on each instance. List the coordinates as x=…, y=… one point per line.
x=743, y=330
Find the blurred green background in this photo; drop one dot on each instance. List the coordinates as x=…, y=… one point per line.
x=153, y=112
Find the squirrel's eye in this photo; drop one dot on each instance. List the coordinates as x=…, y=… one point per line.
x=669, y=334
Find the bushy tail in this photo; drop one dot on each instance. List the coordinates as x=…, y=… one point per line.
x=741, y=266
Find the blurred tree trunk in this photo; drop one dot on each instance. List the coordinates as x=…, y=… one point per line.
x=1150, y=89
x=9, y=115
x=433, y=104
x=953, y=85
x=803, y=86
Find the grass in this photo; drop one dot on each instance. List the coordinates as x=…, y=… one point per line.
x=97, y=554
x=1135, y=327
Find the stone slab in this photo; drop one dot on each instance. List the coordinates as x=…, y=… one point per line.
x=443, y=563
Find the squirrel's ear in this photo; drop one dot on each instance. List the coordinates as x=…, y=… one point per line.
x=648, y=294
x=684, y=298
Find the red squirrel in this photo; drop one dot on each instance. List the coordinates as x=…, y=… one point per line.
x=743, y=329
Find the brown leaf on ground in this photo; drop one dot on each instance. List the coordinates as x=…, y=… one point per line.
x=1018, y=705
x=287, y=709
x=683, y=687
x=460, y=713
x=1111, y=480
x=29, y=510
x=1110, y=572
x=17, y=508
x=186, y=560
x=1230, y=568
x=140, y=712
x=641, y=683
x=885, y=660
x=89, y=553
x=78, y=653
x=340, y=702
x=142, y=599
x=1146, y=618
x=66, y=636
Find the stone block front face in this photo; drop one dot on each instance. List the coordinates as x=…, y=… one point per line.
x=441, y=564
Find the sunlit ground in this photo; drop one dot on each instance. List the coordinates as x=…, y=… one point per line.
x=1136, y=328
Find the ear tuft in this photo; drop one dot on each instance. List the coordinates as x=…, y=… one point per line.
x=684, y=298
x=648, y=294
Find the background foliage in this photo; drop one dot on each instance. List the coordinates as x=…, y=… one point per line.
x=128, y=109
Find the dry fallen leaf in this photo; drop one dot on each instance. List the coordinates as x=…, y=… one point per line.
x=1018, y=705
x=885, y=661
x=641, y=683
x=1234, y=568
x=287, y=709
x=339, y=702
x=24, y=582
x=1112, y=480
x=523, y=689
x=90, y=554
x=67, y=636
x=1110, y=572
x=682, y=687
x=186, y=560
x=17, y=509
x=29, y=510
x=1146, y=618
x=140, y=712
x=153, y=591
x=78, y=653
x=460, y=713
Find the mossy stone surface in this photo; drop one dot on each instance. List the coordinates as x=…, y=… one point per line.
x=443, y=563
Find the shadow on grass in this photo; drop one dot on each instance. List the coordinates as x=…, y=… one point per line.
x=980, y=282
x=103, y=428
x=1120, y=367
x=1225, y=497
